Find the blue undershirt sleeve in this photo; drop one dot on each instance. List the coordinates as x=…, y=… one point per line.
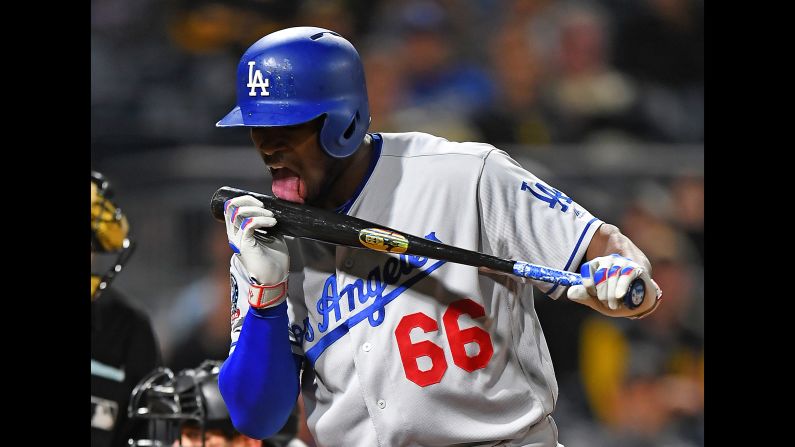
x=259, y=381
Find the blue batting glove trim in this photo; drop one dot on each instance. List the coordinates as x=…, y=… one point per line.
x=574, y=251
x=234, y=248
x=585, y=270
x=627, y=270
x=246, y=221
x=600, y=276
x=613, y=271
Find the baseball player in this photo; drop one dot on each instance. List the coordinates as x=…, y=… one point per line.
x=123, y=344
x=389, y=349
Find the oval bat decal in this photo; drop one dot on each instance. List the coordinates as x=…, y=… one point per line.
x=382, y=240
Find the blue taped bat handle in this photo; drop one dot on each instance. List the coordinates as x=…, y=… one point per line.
x=633, y=298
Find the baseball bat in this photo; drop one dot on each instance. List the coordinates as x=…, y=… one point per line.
x=307, y=222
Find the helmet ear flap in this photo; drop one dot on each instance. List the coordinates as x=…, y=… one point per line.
x=349, y=131
x=342, y=135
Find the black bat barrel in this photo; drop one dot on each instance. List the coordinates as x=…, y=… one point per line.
x=308, y=222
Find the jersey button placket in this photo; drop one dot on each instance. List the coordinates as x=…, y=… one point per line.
x=367, y=347
x=381, y=403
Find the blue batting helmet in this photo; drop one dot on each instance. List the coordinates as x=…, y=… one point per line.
x=298, y=74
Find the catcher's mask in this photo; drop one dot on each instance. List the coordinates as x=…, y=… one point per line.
x=169, y=402
x=189, y=400
x=110, y=243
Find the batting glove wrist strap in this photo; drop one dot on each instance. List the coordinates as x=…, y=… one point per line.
x=262, y=296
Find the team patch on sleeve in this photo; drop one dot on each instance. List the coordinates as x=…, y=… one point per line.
x=550, y=195
x=234, y=293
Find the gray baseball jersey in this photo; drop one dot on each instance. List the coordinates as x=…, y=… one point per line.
x=410, y=351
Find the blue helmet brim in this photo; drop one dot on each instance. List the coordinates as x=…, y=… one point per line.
x=267, y=118
x=233, y=118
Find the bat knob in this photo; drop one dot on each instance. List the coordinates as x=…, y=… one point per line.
x=635, y=294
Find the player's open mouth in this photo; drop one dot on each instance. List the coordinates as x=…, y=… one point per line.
x=287, y=185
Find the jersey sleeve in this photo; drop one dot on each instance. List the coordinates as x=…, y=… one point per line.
x=524, y=218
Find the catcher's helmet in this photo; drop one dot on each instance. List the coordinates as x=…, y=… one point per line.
x=167, y=401
x=295, y=75
x=192, y=397
x=110, y=243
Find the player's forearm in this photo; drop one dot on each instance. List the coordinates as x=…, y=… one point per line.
x=608, y=239
x=259, y=380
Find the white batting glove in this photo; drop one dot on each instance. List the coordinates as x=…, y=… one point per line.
x=605, y=281
x=266, y=264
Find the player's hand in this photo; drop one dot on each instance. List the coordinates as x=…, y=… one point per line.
x=605, y=281
x=266, y=264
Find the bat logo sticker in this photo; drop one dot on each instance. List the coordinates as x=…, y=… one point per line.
x=383, y=240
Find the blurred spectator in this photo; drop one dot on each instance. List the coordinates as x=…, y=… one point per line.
x=195, y=322
x=663, y=43
x=441, y=91
x=385, y=88
x=328, y=14
x=207, y=26
x=515, y=117
x=120, y=18
x=149, y=59
x=688, y=194
x=591, y=99
x=650, y=208
x=538, y=18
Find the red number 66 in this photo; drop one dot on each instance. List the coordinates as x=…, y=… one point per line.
x=457, y=338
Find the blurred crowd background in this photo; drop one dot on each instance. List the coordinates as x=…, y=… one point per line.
x=602, y=99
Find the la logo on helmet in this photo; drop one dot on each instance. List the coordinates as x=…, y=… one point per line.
x=255, y=80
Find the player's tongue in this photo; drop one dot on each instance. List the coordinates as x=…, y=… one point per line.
x=287, y=185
